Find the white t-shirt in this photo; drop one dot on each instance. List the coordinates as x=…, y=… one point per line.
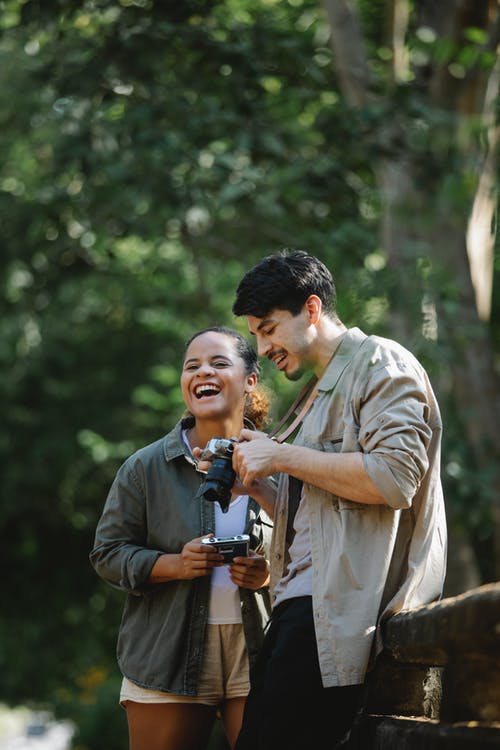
x=225, y=604
x=224, y=607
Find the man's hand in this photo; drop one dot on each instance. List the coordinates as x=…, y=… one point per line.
x=258, y=486
x=254, y=456
x=250, y=572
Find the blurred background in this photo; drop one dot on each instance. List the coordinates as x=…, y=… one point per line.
x=151, y=152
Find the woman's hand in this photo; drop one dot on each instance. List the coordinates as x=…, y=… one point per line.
x=195, y=560
x=199, y=559
x=250, y=572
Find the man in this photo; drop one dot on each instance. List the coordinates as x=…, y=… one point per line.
x=368, y=537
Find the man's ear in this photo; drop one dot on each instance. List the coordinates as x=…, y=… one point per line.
x=313, y=306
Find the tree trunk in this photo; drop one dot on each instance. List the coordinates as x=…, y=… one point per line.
x=416, y=220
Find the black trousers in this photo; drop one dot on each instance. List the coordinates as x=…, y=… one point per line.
x=287, y=707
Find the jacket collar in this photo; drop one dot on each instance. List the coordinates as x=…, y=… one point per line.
x=173, y=443
x=352, y=340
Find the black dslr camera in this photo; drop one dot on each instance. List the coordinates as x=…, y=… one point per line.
x=220, y=477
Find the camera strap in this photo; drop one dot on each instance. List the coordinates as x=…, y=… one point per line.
x=303, y=401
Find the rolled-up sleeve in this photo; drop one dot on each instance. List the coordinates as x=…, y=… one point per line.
x=394, y=432
x=119, y=554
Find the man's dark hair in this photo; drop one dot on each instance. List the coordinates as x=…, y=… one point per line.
x=284, y=280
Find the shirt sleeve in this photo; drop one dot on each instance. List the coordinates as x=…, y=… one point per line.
x=395, y=432
x=119, y=554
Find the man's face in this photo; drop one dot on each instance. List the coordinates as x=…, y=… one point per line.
x=284, y=339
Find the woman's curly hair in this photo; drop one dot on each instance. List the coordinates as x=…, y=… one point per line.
x=257, y=408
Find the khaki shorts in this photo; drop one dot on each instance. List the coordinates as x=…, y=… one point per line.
x=224, y=672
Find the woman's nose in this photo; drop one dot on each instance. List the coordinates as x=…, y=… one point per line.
x=204, y=368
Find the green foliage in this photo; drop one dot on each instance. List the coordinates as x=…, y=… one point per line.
x=99, y=721
x=151, y=152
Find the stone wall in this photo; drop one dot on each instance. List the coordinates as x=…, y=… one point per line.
x=437, y=684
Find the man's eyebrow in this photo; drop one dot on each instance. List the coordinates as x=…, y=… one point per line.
x=264, y=323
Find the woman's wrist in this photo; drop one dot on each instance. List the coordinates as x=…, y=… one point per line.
x=166, y=568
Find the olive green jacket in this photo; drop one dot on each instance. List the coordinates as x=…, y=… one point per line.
x=153, y=507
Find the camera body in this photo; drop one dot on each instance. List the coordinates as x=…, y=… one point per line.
x=229, y=546
x=220, y=477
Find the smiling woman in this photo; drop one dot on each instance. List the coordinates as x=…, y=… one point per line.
x=190, y=621
x=220, y=363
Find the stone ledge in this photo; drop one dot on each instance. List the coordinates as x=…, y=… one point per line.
x=468, y=623
x=442, y=660
x=397, y=733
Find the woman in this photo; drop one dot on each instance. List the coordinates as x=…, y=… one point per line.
x=190, y=624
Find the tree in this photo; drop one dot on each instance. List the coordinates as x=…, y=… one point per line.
x=152, y=151
x=425, y=94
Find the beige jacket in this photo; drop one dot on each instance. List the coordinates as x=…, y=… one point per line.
x=370, y=561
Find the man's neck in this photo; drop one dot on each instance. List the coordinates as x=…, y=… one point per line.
x=330, y=334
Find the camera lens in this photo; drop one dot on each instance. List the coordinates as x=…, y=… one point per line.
x=218, y=483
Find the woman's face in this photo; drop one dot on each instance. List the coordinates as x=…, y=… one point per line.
x=213, y=380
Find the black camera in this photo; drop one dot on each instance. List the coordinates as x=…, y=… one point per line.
x=220, y=477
